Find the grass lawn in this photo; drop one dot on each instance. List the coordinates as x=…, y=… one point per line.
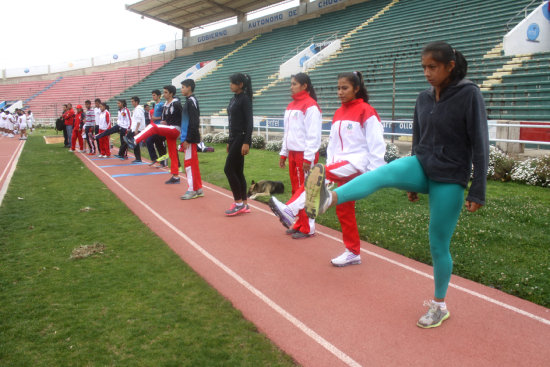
x=135, y=303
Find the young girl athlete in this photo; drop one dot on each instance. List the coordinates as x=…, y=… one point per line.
x=356, y=145
x=239, y=112
x=449, y=134
x=301, y=142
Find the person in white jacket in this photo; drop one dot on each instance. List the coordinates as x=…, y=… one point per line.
x=124, y=121
x=137, y=126
x=301, y=143
x=356, y=145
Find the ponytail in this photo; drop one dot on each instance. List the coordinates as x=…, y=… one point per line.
x=239, y=78
x=303, y=78
x=444, y=53
x=356, y=79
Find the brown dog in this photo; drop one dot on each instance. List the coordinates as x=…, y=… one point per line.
x=265, y=188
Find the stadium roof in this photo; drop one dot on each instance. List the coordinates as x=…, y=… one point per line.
x=187, y=14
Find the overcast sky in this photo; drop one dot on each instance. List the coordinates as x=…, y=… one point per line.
x=45, y=32
x=39, y=32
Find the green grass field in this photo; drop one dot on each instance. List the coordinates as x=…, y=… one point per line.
x=134, y=304
x=137, y=304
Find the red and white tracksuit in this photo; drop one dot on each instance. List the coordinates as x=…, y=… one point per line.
x=301, y=142
x=356, y=145
x=104, y=123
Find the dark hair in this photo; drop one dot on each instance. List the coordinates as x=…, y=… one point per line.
x=356, y=79
x=87, y=101
x=189, y=83
x=443, y=52
x=157, y=92
x=123, y=102
x=171, y=89
x=29, y=111
x=135, y=99
x=239, y=78
x=104, y=104
x=303, y=78
x=97, y=100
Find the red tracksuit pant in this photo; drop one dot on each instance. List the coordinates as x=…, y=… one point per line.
x=104, y=145
x=339, y=173
x=171, y=133
x=191, y=164
x=297, y=178
x=77, y=135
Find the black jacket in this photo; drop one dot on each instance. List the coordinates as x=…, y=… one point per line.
x=240, y=118
x=451, y=134
x=192, y=111
x=171, y=113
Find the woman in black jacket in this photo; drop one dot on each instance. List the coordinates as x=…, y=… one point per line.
x=239, y=112
x=449, y=135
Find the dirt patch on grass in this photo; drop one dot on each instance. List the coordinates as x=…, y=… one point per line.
x=53, y=139
x=84, y=251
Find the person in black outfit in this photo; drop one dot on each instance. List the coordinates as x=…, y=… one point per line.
x=239, y=112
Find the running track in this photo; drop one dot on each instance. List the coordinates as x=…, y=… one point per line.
x=324, y=316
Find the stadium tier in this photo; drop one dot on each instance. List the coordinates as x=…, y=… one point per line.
x=163, y=76
x=375, y=35
x=46, y=98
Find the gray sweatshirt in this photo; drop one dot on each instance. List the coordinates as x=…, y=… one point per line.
x=451, y=134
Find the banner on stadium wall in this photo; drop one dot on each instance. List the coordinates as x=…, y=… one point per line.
x=214, y=35
x=273, y=18
x=402, y=127
x=322, y=4
x=195, y=72
x=531, y=35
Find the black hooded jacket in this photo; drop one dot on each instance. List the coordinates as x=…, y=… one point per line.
x=451, y=134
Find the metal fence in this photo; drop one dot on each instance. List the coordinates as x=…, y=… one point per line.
x=393, y=129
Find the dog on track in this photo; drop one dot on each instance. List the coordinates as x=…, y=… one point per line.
x=265, y=188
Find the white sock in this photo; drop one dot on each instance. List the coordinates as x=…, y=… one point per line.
x=239, y=204
x=441, y=305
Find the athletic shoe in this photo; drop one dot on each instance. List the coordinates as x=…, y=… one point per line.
x=318, y=197
x=291, y=231
x=130, y=141
x=190, y=195
x=123, y=158
x=434, y=317
x=247, y=209
x=118, y=156
x=135, y=161
x=71, y=150
x=162, y=158
x=282, y=211
x=300, y=235
x=91, y=154
x=10, y=135
x=173, y=180
x=200, y=193
x=347, y=258
x=236, y=209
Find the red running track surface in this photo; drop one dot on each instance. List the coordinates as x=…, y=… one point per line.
x=321, y=315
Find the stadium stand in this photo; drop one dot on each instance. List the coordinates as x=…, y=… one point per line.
x=23, y=91
x=163, y=76
x=375, y=34
x=76, y=89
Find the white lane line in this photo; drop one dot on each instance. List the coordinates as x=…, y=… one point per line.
x=281, y=311
x=12, y=163
x=419, y=272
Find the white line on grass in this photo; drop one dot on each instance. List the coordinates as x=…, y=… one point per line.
x=13, y=162
x=281, y=311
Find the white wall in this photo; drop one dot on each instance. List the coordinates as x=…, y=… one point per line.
x=531, y=35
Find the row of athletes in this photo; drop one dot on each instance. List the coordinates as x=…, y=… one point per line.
x=17, y=122
x=450, y=135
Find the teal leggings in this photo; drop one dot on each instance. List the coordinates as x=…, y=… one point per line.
x=446, y=200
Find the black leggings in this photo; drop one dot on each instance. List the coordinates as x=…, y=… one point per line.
x=234, y=169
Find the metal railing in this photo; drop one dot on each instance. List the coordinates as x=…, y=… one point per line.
x=524, y=11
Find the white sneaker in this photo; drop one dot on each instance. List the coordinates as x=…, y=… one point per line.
x=10, y=135
x=434, y=317
x=100, y=156
x=347, y=258
x=286, y=217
